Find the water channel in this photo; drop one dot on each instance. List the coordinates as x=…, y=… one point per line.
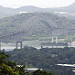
x=34, y=43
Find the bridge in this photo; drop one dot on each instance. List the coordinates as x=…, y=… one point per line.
x=22, y=30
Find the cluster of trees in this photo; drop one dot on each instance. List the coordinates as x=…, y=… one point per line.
x=45, y=58
x=8, y=67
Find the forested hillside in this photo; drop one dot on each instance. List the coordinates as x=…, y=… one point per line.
x=36, y=25
x=46, y=58
x=8, y=67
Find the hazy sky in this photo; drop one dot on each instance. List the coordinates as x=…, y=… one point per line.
x=38, y=3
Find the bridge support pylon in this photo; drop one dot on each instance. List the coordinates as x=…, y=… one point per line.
x=56, y=39
x=17, y=44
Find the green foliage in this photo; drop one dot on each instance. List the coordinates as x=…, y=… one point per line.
x=45, y=58
x=7, y=70
x=38, y=72
x=7, y=67
x=3, y=57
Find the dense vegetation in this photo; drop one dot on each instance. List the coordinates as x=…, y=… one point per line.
x=46, y=58
x=8, y=67
x=36, y=26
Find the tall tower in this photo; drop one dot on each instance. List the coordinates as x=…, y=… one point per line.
x=19, y=42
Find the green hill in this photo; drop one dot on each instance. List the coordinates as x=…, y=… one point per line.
x=36, y=25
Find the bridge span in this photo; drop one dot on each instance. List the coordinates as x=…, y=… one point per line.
x=20, y=30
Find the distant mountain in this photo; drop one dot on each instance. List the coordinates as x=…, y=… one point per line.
x=36, y=25
x=66, y=11
x=4, y=11
x=32, y=9
x=29, y=9
x=70, y=8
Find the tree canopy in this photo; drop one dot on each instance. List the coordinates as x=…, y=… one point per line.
x=8, y=67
